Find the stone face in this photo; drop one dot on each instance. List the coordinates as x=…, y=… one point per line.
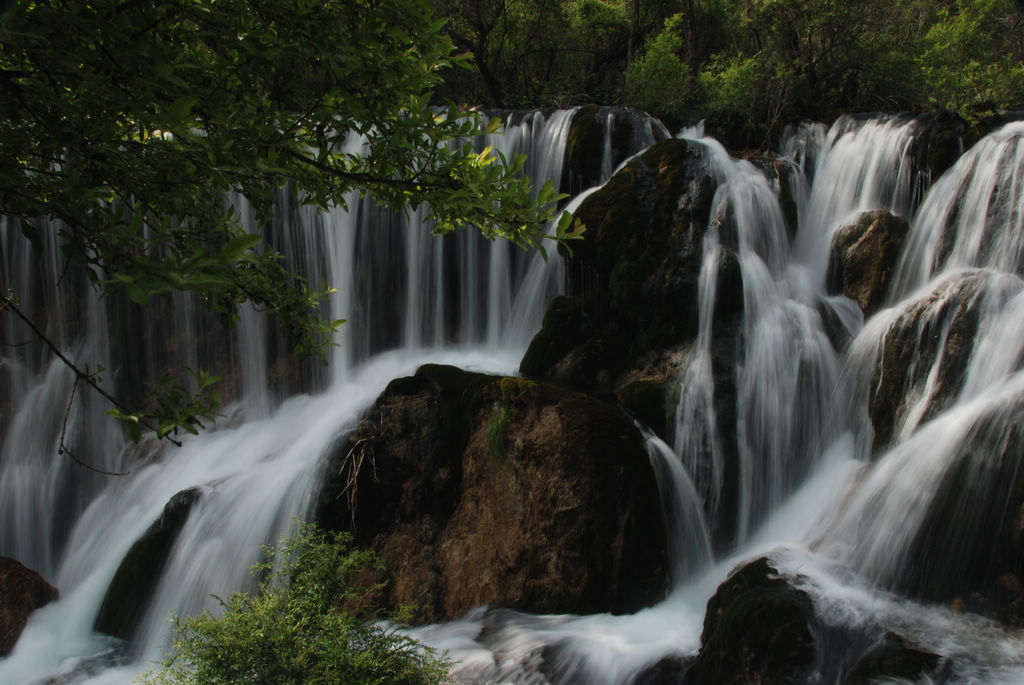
x=863, y=257
x=969, y=547
x=480, y=489
x=22, y=591
x=940, y=328
x=758, y=628
x=130, y=591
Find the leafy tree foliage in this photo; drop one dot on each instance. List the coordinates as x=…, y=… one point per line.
x=758, y=63
x=131, y=121
x=971, y=57
x=299, y=627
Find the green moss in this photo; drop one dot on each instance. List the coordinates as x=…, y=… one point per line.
x=651, y=402
x=565, y=326
x=495, y=431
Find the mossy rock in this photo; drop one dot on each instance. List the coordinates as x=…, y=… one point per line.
x=130, y=591
x=585, y=147
x=940, y=328
x=758, y=628
x=642, y=249
x=653, y=403
x=939, y=143
x=478, y=489
x=565, y=326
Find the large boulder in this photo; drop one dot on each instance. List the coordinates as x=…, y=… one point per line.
x=759, y=628
x=478, y=489
x=762, y=627
x=924, y=355
x=969, y=548
x=627, y=327
x=595, y=129
x=22, y=591
x=131, y=589
x=633, y=278
x=863, y=258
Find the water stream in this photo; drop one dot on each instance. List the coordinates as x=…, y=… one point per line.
x=814, y=492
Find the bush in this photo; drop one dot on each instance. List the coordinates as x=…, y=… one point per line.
x=658, y=81
x=299, y=627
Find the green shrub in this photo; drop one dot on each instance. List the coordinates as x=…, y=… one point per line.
x=658, y=81
x=299, y=626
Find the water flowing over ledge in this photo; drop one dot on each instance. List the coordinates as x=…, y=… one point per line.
x=803, y=476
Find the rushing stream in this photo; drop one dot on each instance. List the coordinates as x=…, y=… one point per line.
x=810, y=492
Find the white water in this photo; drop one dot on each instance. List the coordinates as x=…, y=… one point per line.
x=806, y=494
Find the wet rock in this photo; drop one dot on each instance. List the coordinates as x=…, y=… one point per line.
x=588, y=133
x=937, y=330
x=969, y=548
x=938, y=143
x=128, y=596
x=22, y=591
x=863, y=257
x=669, y=670
x=893, y=658
x=635, y=272
x=566, y=325
x=478, y=489
x=643, y=245
x=758, y=628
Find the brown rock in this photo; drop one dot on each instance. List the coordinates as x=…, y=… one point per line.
x=22, y=591
x=863, y=257
x=480, y=489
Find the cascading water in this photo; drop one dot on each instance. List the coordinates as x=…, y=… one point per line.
x=459, y=299
x=811, y=483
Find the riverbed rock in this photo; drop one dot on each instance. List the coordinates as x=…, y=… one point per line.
x=968, y=550
x=478, y=489
x=22, y=591
x=131, y=589
x=588, y=134
x=759, y=628
x=863, y=258
x=938, y=329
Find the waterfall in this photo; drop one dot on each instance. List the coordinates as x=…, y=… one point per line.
x=408, y=298
x=781, y=444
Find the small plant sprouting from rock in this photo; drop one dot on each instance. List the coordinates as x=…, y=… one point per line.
x=496, y=432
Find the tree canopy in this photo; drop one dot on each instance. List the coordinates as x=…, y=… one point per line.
x=131, y=121
x=760, y=63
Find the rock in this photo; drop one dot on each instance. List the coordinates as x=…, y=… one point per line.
x=669, y=670
x=863, y=257
x=130, y=591
x=758, y=628
x=22, y=591
x=635, y=272
x=969, y=548
x=938, y=143
x=892, y=659
x=566, y=325
x=642, y=249
x=631, y=131
x=478, y=489
x=937, y=329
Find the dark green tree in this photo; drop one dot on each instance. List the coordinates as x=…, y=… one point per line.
x=129, y=121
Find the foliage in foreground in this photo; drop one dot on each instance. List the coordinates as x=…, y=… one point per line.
x=130, y=127
x=297, y=629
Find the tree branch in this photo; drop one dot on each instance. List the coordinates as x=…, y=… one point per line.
x=79, y=374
